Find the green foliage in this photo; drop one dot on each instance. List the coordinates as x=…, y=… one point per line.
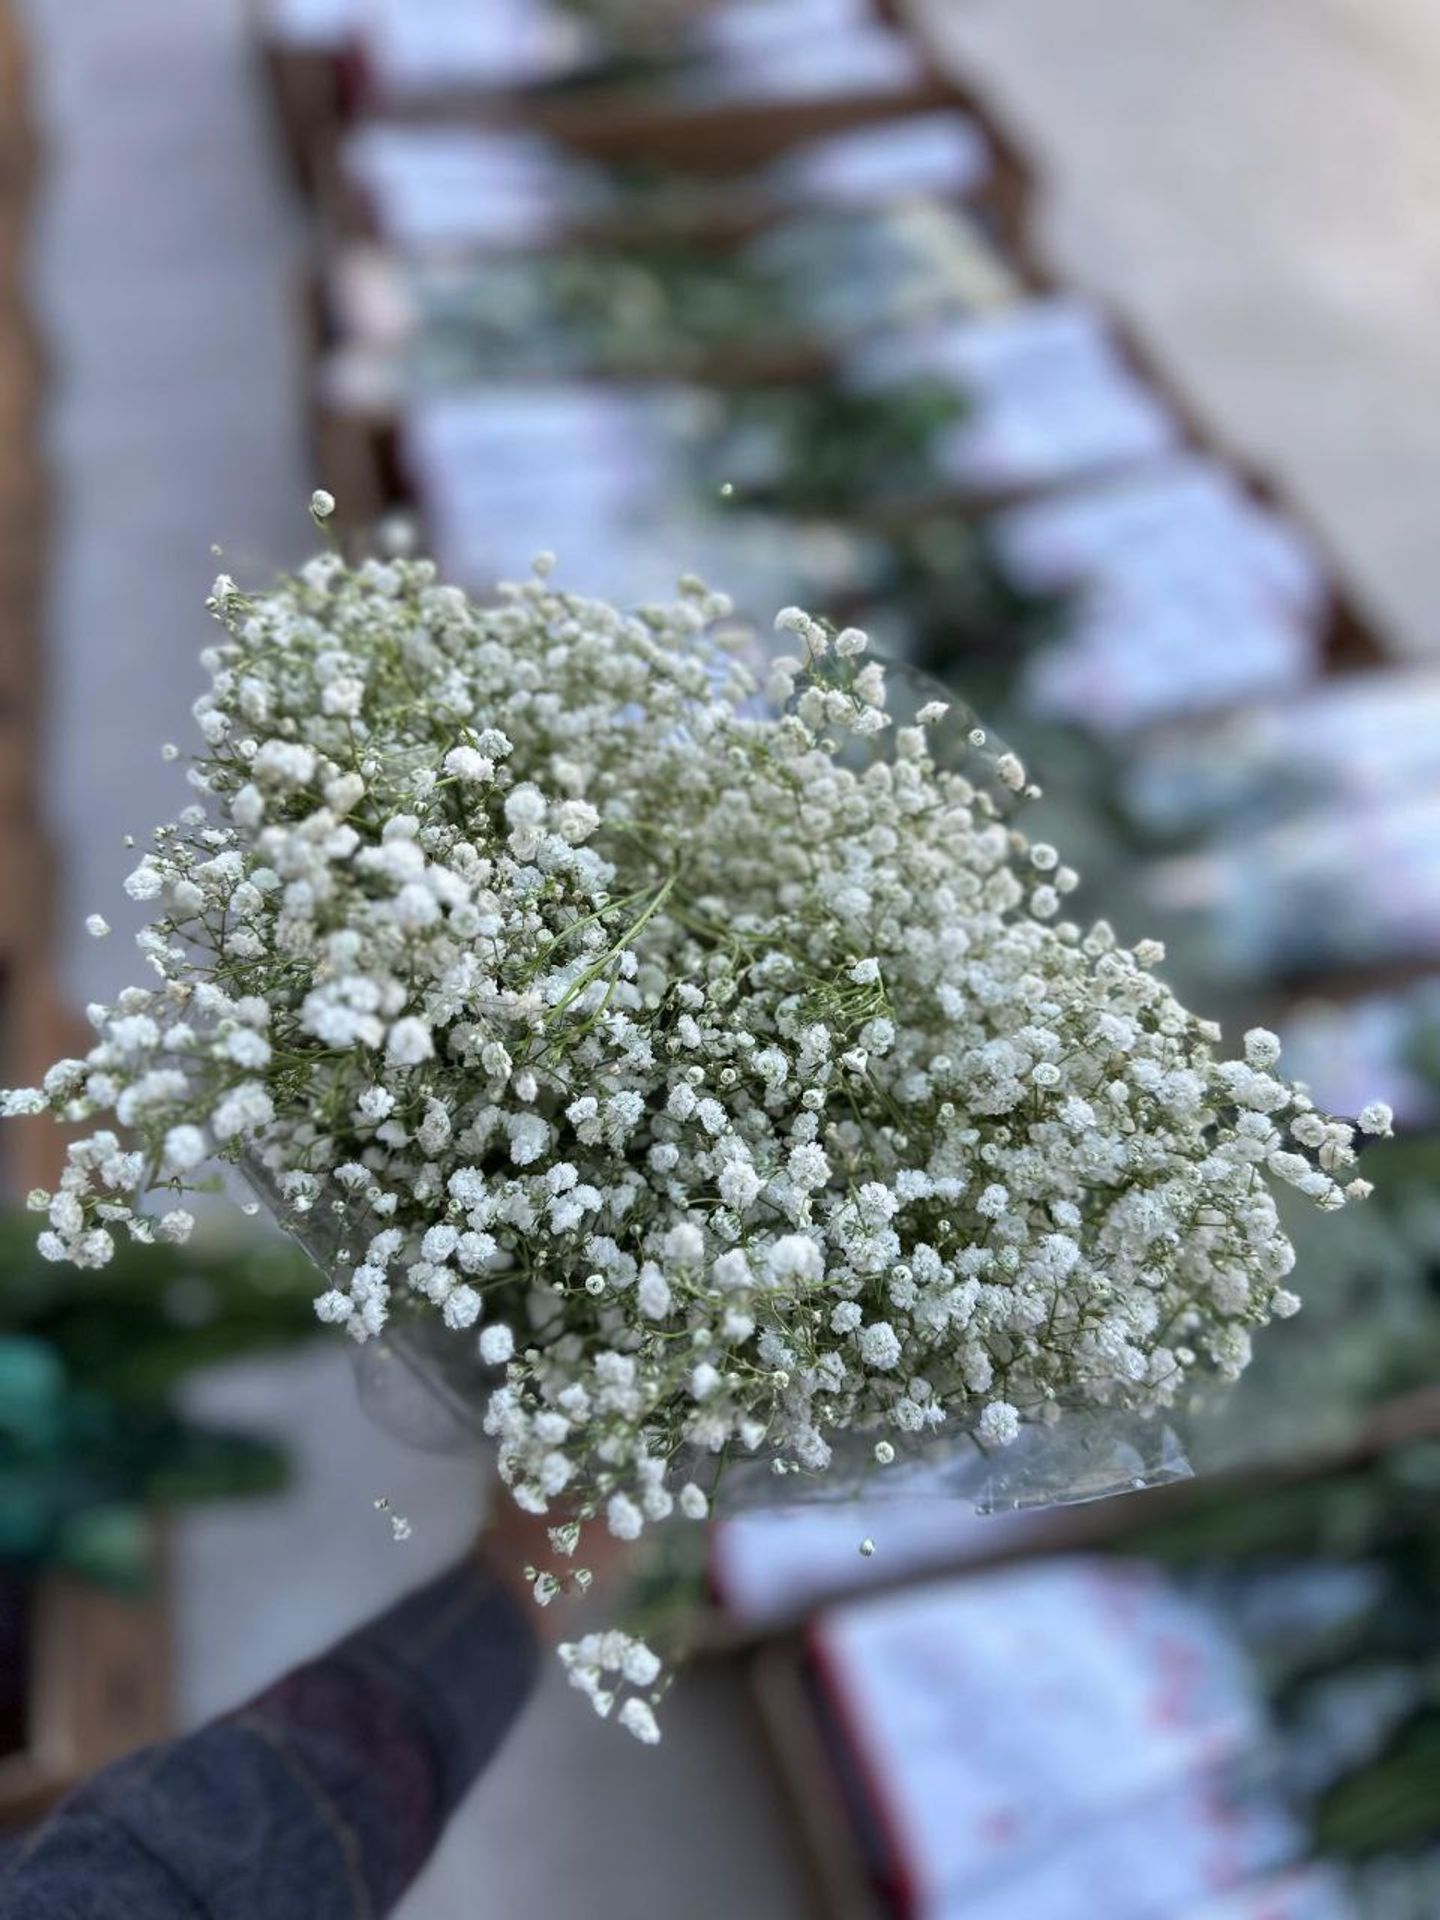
x=1391, y=1805
x=155, y=1314
x=91, y=1437
x=823, y=449
x=779, y=302
x=1368, y=1775
x=1370, y=1326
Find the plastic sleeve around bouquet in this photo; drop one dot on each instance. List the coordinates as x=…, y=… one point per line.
x=419, y=1381
x=429, y=1387
x=1083, y=1454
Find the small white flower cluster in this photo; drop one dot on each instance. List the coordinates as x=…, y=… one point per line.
x=602, y=1664
x=724, y=1065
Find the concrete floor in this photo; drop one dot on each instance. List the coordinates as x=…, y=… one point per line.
x=165, y=277
x=1257, y=184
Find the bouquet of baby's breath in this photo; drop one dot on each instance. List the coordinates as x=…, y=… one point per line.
x=686, y=1038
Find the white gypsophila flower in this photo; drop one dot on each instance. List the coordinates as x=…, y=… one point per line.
x=730, y=1077
x=637, y=1719
x=693, y=1501
x=467, y=764
x=185, y=1149
x=409, y=1044
x=497, y=1344
x=1262, y=1048
x=999, y=1424
x=624, y=1518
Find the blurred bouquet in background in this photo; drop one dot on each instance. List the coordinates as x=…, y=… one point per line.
x=1330, y=1583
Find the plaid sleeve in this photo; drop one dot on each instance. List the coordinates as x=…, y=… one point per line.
x=322, y=1798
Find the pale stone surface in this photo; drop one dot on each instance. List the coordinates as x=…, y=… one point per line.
x=1257, y=185
x=165, y=277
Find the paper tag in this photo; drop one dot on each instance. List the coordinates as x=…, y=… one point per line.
x=1144, y=1861
x=773, y=1564
x=412, y=45
x=445, y=187
x=1309, y=1893
x=942, y=155
x=1050, y=396
x=1005, y=1715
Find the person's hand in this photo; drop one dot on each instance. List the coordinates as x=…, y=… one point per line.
x=513, y=1541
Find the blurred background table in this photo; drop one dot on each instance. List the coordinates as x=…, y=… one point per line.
x=1253, y=186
